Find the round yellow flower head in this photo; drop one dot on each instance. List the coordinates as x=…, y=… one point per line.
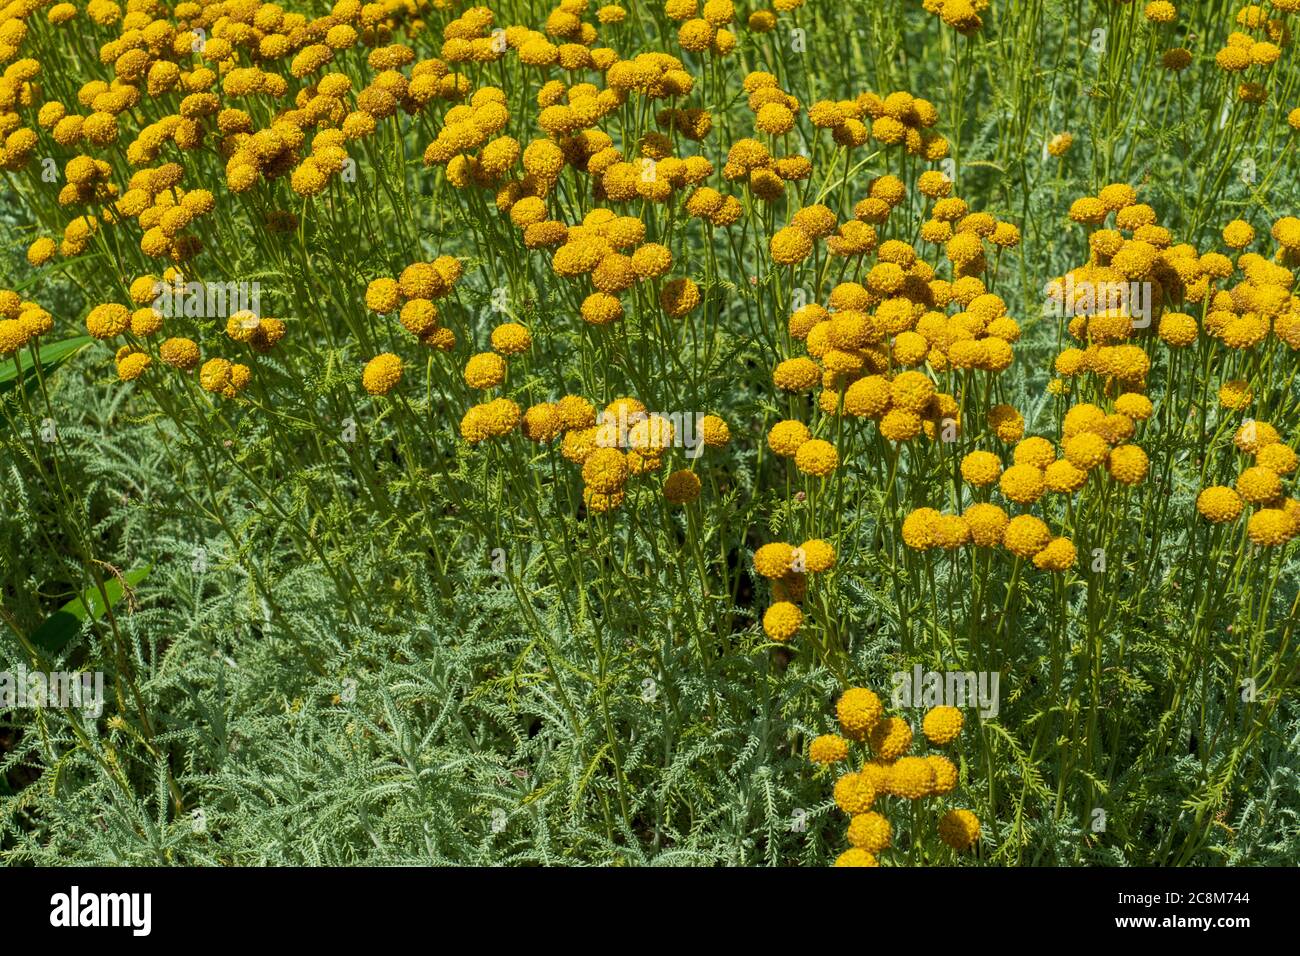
x=890, y=738
x=959, y=829
x=1025, y=536
x=511, y=338
x=816, y=556
x=787, y=437
x=1035, y=451
x=796, y=375
x=382, y=373
x=790, y=246
x=107, y=321
x=816, y=457
x=715, y=431
x=858, y=710
x=911, y=778
x=854, y=793
x=774, y=560
x=682, y=487
x=605, y=470
x=1238, y=234
x=1023, y=484
x=1059, y=555
x=1277, y=458
x=1127, y=464
x=1270, y=527
x=855, y=856
x=485, y=370
x=1259, y=485
x=870, y=832
x=382, y=296
x=1219, y=504
x=828, y=749
x=782, y=621
x=941, y=725
x=945, y=774
x=1086, y=450
x=1007, y=423
x=987, y=523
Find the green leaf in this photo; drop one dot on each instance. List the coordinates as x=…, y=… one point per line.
x=50, y=356
x=62, y=626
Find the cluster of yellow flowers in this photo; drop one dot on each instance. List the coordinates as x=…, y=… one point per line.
x=597, y=446
x=1276, y=518
x=21, y=321
x=411, y=295
x=787, y=568
x=1249, y=55
x=890, y=773
x=962, y=15
x=144, y=320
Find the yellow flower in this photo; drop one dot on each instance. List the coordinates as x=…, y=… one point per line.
x=1177, y=329
x=605, y=470
x=858, y=711
x=1086, y=450
x=855, y=856
x=1277, y=458
x=1059, y=555
x=107, y=321
x=890, y=738
x=382, y=296
x=819, y=555
x=1258, y=485
x=485, y=370
x=12, y=336
x=786, y=437
x=912, y=391
x=945, y=774
x=679, y=297
x=1023, y=484
x=868, y=397
x=382, y=373
x=899, y=424
x=1035, y=451
x=1270, y=527
x=987, y=523
x=816, y=457
x=1219, y=504
x=682, y=487
x=782, y=621
x=715, y=431
x=1134, y=405
x=132, y=366
x=870, y=832
x=959, y=829
x=919, y=530
x=1007, y=423
x=773, y=560
x=1127, y=464
x=1025, y=536
x=941, y=725
x=796, y=374
x=828, y=749
x=911, y=777
x=1238, y=234
x=854, y=793
x=790, y=246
